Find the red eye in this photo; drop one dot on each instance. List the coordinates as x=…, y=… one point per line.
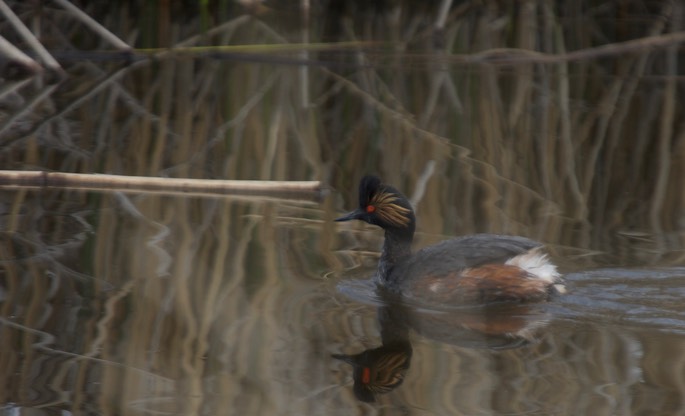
x=366, y=375
x=370, y=209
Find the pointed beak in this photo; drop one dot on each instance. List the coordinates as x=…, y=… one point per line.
x=349, y=359
x=354, y=215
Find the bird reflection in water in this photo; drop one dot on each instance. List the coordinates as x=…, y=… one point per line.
x=382, y=369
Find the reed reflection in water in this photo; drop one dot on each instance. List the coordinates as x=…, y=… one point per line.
x=124, y=304
x=118, y=304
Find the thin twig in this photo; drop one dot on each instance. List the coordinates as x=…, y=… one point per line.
x=26, y=108
x=421, y=183
x=46, y=93
x=304, y=56
x=14, y=54
x=442, y=14
x=512, y=56
x=28, y=37
x=93, y=24
x=665, y=137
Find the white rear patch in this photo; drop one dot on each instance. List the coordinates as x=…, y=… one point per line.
x=537, y=264
x=435, y=287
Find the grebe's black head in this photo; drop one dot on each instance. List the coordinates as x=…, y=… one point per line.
x=384, y=206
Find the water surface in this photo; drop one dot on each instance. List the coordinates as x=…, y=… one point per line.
x=125, y=304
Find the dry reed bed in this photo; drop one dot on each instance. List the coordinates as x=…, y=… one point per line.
x=188, y=294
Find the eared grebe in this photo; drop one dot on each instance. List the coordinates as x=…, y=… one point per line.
x=476, y=269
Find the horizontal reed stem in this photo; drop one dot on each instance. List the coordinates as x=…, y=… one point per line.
x=310, y=190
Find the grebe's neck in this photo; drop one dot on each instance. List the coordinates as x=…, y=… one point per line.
x=396, y=248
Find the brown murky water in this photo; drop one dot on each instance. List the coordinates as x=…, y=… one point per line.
x=118, y=303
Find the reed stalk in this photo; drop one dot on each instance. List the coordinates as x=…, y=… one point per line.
x=282, y=189
x=93, y=24
x=15, y=54
x=28, y=37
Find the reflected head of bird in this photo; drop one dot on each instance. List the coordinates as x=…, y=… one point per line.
x=379, y=370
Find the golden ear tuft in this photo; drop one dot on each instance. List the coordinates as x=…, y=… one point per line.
x=389, y=372
x=388, y=210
